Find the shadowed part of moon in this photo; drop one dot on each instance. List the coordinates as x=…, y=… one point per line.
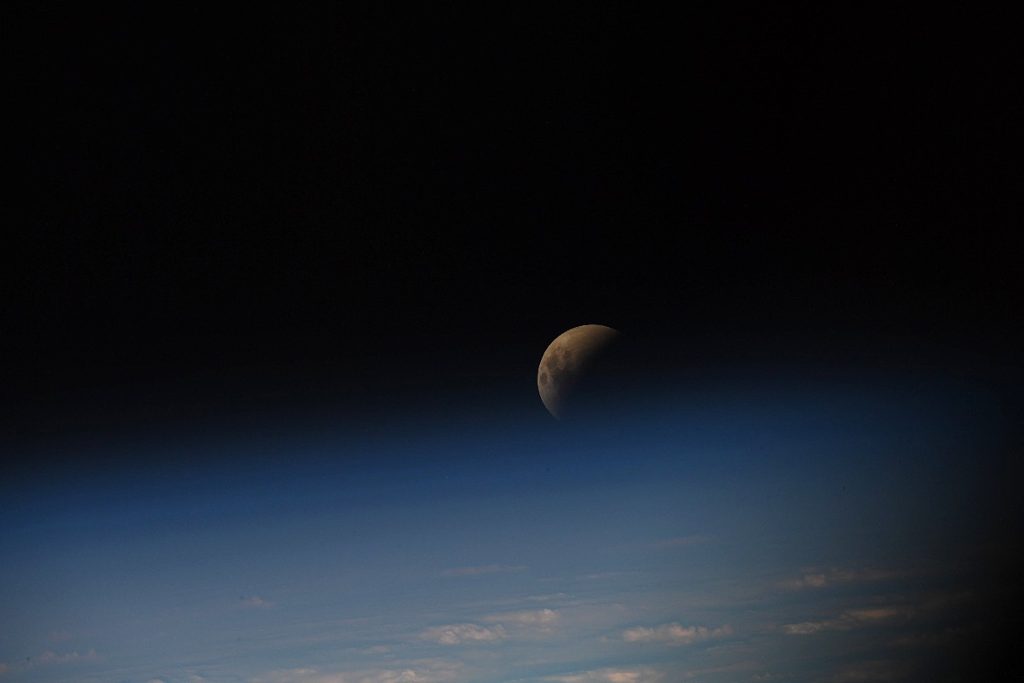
x=566, y=360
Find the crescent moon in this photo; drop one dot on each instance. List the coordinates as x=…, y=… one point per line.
x=566, y=360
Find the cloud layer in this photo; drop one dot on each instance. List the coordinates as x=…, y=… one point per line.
x=849, y=619
x=483, y=569
x=422, y=671
x=457, y=634
x=643, y=675
x=674, y=634
x=540, y=617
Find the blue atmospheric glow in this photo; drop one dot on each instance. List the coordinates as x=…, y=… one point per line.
x=770, y=535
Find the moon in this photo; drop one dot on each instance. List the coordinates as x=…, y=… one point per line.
x=567, y=359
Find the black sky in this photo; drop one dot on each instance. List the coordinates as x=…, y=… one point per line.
x=221, y=213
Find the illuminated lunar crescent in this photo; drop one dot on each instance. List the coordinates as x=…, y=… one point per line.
x=566, y=360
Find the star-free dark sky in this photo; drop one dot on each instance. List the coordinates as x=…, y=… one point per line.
x=285, y=223
x=400, y=200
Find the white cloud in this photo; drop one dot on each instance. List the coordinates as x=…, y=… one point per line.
x=547, y=597
x=673, y=634
x=483, y=569
x=808, y=581
x=820, y=578
x=51, y=657
x=304, y=675
x=255, y=601
x=643, y=675
x=190, y=678
x=539, y=617
x=854, y=618
x=499, y=625
x=420, y=671
x=877, y=613
x=806, y=628
x=456, y=634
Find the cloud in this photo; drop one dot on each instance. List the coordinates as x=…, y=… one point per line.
x=673, y=634
x=254, y=601
x=190, y=678
x=51, y=657
x=831, y=577
x=302, y=675
x=457, y=634
x=854, y=618
x=643, y=675
x=482, y=570
x=420, y=671
x=4, y=668
x=807, y=581
x=499, y=627
x=540, y=617
x=806, y=628
x=877, y=613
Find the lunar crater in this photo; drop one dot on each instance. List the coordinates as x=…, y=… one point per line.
x=566, y=360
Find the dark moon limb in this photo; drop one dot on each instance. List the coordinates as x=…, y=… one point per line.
x=566, y=360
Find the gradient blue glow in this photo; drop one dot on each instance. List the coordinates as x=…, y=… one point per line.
x=790, y=534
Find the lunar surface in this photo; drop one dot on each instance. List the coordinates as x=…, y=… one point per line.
x=566, y=360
